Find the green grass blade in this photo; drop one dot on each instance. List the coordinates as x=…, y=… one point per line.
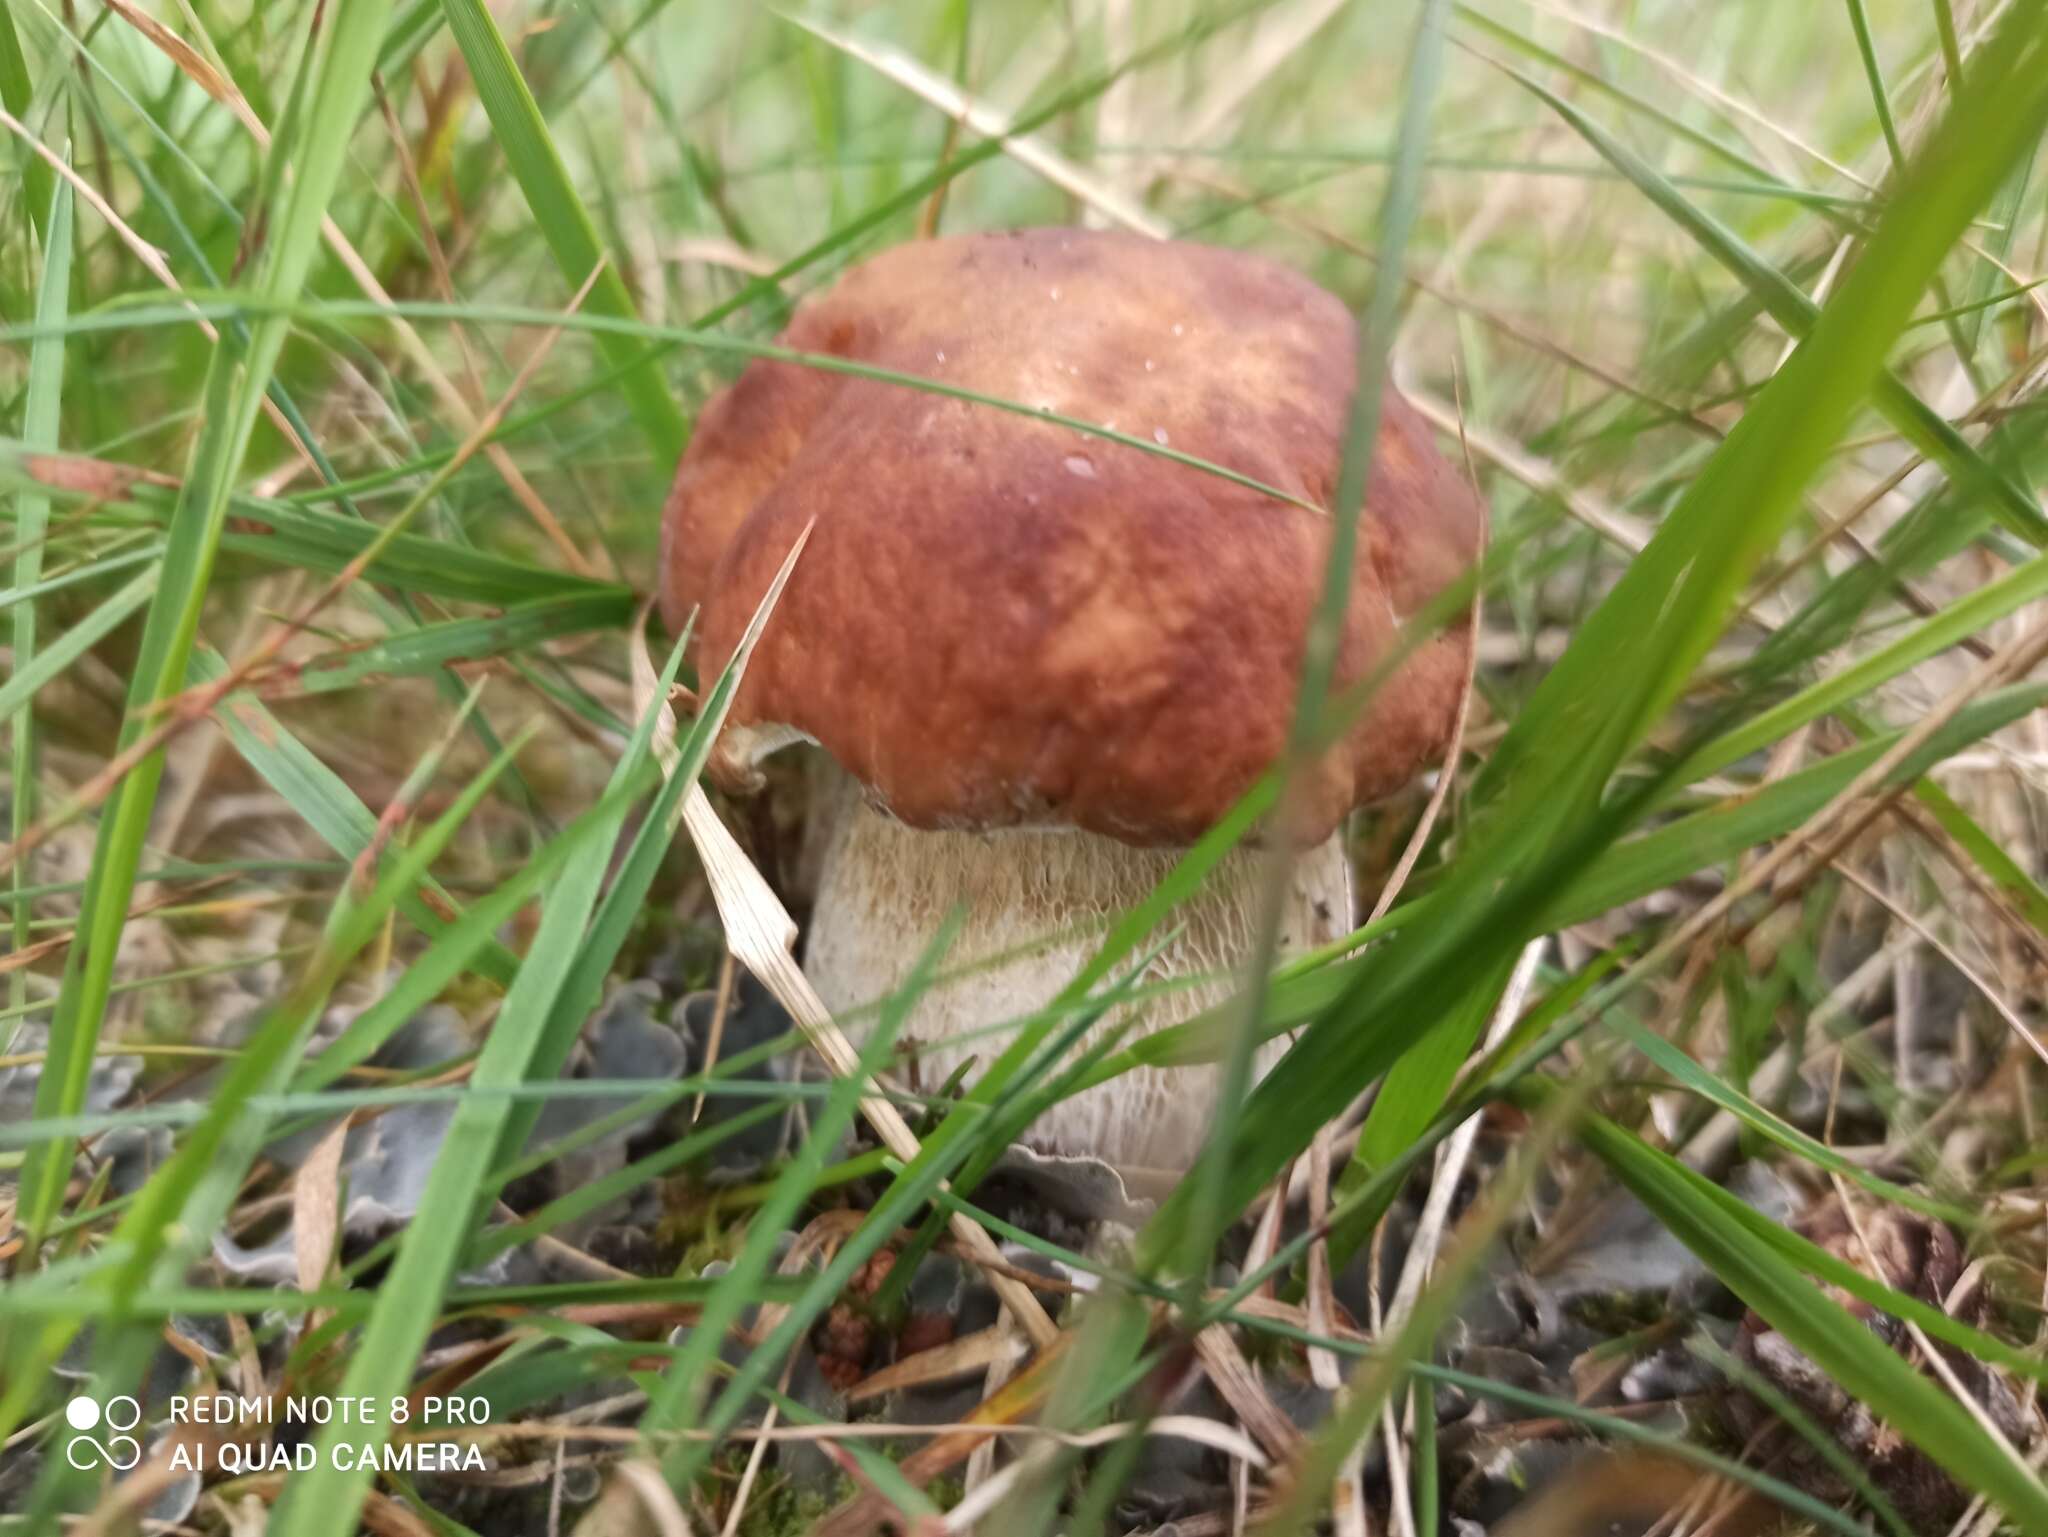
x=334, y=76
x=1880, y=99
x=1795, y=1500
x=679, y=1404
x=1626, y=872
x=287, y=536
x=31, y=512
x=39, y=182
x=1954, y=624
x=530, y=152
x=411, y=1296
x=35, y=668
x=97, y=570
x=433, y=646
x=1415, y=1090
x=1719, y=832
x=1945, y=31
x=547, y=1004
x=1636, y=105
x=1840, y=1343
x=1380, y=1377
x=1824, y=1442
x=331, y=808
x=454, y=949
x=1209, y=1213
x=589, y=1198
x=1690, y=1075
x=2004, y=872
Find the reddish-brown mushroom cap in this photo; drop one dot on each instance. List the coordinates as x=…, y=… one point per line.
x=1001, y=621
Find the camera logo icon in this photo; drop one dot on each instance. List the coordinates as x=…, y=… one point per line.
x=99, y=1433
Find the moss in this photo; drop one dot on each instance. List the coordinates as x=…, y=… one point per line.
x=779, y=1509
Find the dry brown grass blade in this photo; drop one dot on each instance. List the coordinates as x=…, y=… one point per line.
x=1934, y=1358
x=1958, y=859
x=1835, y=826
x=190, y=61
x=982, y=1462
x=1818, y=843
x=1022, y=1395
x=29, y=954
x=1454, y=749
x=995, y=1345
x=1430, y=1228
x=983, y=1501
x=1494, y=319
x=1616, y=527
x=1704, y=88
x=81, y=475
x=714, y=1035
x=1248, y=1399
x=2005, y=1011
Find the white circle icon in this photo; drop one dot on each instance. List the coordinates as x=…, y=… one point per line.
x=118, y=1451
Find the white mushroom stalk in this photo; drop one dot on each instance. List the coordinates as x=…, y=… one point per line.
x=1033, y=906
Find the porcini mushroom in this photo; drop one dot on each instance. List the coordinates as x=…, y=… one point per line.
x=1047, y=662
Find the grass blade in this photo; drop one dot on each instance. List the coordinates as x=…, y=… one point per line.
x=1880, y=99
x=1853, y=1356
x=547, y=1004
x=434, y=646
x=334, y=77
x=31, y=512
x=1925, y=428
x=530, y=152
x=38, y=181
x=35, y=668
x=331, y=808
x=1210, y=1211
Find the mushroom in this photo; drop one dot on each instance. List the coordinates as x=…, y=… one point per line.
x=1045, y=662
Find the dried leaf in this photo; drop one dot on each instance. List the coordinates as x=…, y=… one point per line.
x=316, y=1205
x=989, y=1347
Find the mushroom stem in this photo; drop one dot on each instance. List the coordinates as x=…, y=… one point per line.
x=885, y=889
